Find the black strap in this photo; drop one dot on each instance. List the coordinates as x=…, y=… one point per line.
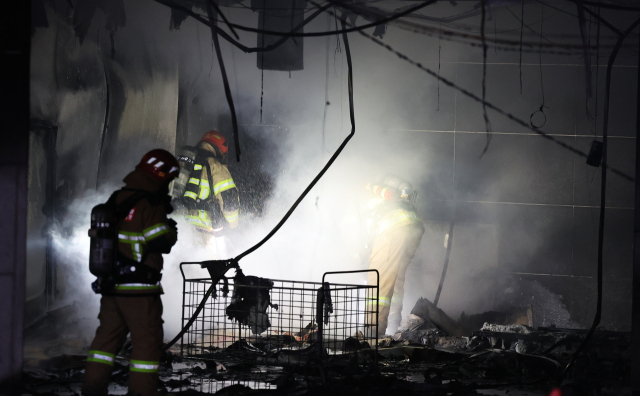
x=214, y=207
x=123, y=209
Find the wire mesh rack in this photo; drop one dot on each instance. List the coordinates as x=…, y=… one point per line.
x=281, y=322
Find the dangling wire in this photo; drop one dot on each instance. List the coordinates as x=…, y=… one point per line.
x=521, y=30
x=595, y=115
x=326, y=85
x=487, y=123
x=542, y=106
x=262, y=63
x=234, y=261
x=439, y=50
x=495, y=33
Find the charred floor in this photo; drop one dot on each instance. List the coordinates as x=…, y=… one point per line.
x=507, y=357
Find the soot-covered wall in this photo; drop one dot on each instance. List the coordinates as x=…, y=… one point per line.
x=525, y=211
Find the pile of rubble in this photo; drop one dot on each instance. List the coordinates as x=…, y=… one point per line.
x=488, y=353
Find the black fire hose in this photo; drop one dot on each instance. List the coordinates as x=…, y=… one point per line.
x=233, y=263
x=225, y=80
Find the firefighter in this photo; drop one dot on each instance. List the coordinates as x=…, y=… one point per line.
x=210, y=196
x=395, y=231
x=130, y=300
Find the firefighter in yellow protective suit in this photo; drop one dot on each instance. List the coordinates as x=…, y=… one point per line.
x=395, y=231
x=211, y=196
x=130, y=300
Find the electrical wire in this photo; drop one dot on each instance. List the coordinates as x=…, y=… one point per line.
x=542, y=106
x=225, y=81
x=331, y=160
x=521, y=30
x=603, y=192
x=415, y=28
x=586, y=54
x=485, y=116
x=237, y=259
x=224, y=18
x=226, y=36
x=107, y=113
x=262, y=65
x=489, y=104
x=344, y=30
x=609, y=6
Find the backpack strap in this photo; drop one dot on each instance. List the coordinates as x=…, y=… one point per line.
x=215, y=210
x=123, y=209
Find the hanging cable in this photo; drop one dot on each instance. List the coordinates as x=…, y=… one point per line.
x=521, y=30
x=262, y=63
x=489, y=105
x=326, y=87
x=586, y=54
x=295, y=204
x=595, y=111
x=603, y=192
x=226, y=36
x=542, y=106
x=439, y=51
x=224, y=18
x=107, y=113
x=225, y=80
x=487, y=122
x=331, y=160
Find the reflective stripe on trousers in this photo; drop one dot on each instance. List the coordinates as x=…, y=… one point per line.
x=138, y=286
x=142, y=366
x=100, y=357
x=382, y=301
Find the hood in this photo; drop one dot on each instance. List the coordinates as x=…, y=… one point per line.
x=141, y=181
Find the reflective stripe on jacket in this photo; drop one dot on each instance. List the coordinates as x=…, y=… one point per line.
x=225, y=193
x=145, y=233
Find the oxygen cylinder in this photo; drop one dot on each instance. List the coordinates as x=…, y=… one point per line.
x=186, y=159
x=103, y=250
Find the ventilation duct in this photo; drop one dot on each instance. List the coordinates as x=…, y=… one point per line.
x=280, y=16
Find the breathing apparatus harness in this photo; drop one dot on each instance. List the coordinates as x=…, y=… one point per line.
x=105, y=259
x=209, y=204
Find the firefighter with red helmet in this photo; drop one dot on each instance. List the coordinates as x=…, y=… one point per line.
x=210, y=195
x=130, y=300
x=394, y=231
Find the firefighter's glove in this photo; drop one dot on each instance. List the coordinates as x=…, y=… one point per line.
x=172, y=224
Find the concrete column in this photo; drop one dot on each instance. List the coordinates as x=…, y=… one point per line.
x=14, y=142
x=635, y=299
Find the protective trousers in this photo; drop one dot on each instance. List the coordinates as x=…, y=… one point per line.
x=391, y=255
x=119, y=315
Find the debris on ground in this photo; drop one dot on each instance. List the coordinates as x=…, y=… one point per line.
x=250, y=301
x=430, y=354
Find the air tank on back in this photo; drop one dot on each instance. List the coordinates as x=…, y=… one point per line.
x=103, y=248
x=186, y=159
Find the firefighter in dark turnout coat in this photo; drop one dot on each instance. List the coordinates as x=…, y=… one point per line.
x=131, y=302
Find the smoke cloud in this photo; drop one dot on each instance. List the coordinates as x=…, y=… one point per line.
x=404, y=124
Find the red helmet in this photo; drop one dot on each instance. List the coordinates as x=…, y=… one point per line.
x=160, y=164
x=215, y=138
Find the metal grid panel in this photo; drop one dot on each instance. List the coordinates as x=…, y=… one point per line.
x=292, y=338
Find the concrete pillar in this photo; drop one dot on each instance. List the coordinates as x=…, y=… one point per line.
x=14, y=142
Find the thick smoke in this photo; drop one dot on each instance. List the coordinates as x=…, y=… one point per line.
x=394, y=105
